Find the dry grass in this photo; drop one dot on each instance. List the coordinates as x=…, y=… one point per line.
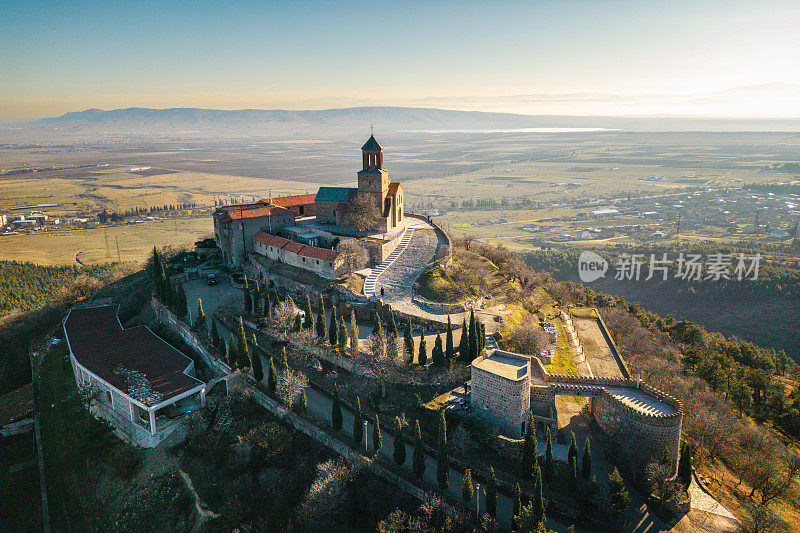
x=89, y=245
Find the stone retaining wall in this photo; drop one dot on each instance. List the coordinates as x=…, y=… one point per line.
x=166, y=317
x=437, y=307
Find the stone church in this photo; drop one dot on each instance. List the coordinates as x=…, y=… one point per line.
x=373, y=182
x=316, y=221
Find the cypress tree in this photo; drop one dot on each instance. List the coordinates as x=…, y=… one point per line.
x=377, y=439
x=155, y=268
x=438, y=353
x=377, y=327
x=442, y=469
x=333, y=330
x=473, y=336
x=419, y=455
x=467, y=490
x=481, y=337
x=517, y=508
x=353, y=332
x=441, y=430
x=408, y=339
x=283, y=363
x=298, y=323
x=321, y=329
x=200, y=321
x=256, y=297
x=463, y=345
x=267, y=305
x=548, y=459
x=573, y=471
x=399, y=444
x=491, y=494
x=618, y=496
x=336, y=411
x=309, y=321
x=358, y=427
x=528, y=458
x=214, y=334
x=392, y=325
x=222, y=350
x=182, y=306
x=537, y=503
x=244, y=355
x=448, y=350
x=258, y=370
x=685, y=466
x=586, y=461
x=302, y=404
x=423, y=351
x=248, y=299
x=572, y=453
x=272, y=378
x=341, y=336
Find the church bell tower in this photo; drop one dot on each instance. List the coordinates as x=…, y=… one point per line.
x=373, y=178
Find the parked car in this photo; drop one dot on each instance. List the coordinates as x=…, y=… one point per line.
x=212, y=279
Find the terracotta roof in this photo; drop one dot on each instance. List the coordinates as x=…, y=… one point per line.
x=293, y=247
x=270, y=240
x=291, y=201
x=16, y=405
x=255, y=212
x=100, y=345
x=393, y=187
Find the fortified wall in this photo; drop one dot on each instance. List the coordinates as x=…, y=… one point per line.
x=639, y=421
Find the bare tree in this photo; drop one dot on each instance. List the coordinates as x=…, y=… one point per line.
x=283, y=316
x=762, y=520
x=380, y=359
x=354, y=256
x=362, y=212
x=528, y=338
x=325, y=504
x=290, y=384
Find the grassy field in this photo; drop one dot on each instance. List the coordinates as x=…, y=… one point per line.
x=135, y=241
x=80, y=191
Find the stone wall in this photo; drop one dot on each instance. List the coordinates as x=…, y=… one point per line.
x=166, y=317
x=437, y=307
x=637, y=438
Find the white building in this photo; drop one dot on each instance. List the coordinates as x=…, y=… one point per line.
x=139, y=383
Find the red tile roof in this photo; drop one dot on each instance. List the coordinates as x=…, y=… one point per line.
x=270, y=240
x=292, y=201
x=293, y=247
x=393, y=186
x=100, y=345
x=254, y=212
x=16, y=405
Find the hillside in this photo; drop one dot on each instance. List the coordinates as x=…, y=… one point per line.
x=217, y=122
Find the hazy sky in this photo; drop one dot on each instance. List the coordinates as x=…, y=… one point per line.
x=563, y=57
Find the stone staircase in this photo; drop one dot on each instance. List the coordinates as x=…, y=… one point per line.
x=398, y=280
x=372, y=280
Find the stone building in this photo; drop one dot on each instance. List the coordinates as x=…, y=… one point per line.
x=373, y=183
x=317, y=221
x=639, y=421
x=321, y=261
x=501, y=383
x=236, y=225
x=138, y=382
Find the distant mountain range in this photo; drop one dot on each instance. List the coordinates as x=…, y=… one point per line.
x=138, y=120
